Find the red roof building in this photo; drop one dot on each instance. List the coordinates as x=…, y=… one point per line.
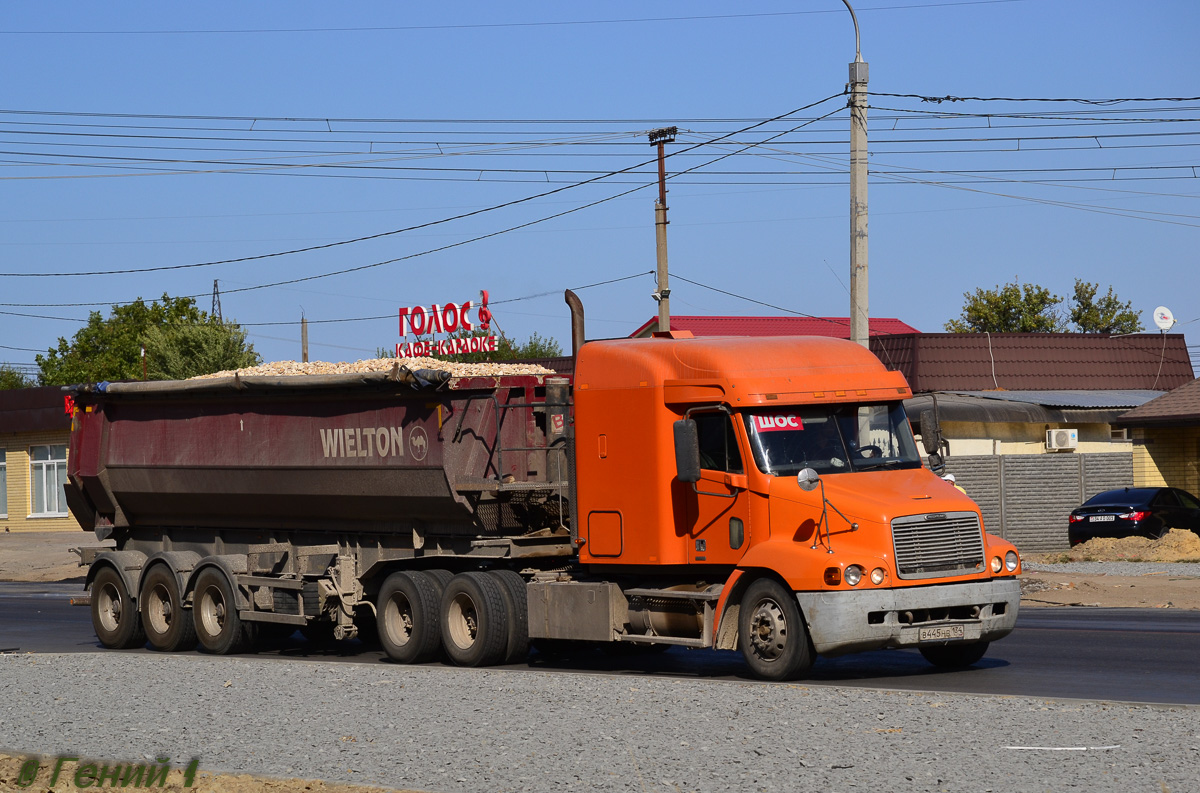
x=837, y=327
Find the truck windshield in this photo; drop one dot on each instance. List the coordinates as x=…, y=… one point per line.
x=833, y=439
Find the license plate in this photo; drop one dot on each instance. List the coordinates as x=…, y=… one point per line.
x=940, y=634
x=1101, y=518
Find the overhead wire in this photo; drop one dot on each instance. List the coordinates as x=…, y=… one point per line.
x=428, y=224
x=537, y=24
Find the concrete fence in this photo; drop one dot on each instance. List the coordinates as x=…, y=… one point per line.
x=1026, y=498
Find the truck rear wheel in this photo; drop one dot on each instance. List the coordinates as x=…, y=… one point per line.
x=408, y=617
x=214, y=611
x=516, y=607
x=168, y=627
x=954, y=656
x=114, y=615
x=473, y=618
x=771, y=632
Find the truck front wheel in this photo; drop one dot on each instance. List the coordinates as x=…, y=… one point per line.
x=168, y=627
x=114, y=615
x=474, y=628
x=408, y=617
x=771, y=632
x=214, y=611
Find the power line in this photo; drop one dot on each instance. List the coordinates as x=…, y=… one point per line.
x=491, y=303
x=418, y=226
x=493, y=25
x=950, y=98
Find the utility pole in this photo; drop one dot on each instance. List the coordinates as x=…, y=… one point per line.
x=303, y=339
x=661, y=137
x=859, y=324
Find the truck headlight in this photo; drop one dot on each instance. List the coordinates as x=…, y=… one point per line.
x=997, y=564
x=1010, y=560
x=853, y=575
x=877, y=576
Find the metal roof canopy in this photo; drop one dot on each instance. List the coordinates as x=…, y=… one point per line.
x=964, y=407
x=1070, y=398
x=969, y=362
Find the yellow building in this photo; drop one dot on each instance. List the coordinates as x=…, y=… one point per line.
x=34, y=433
x=1166, y=439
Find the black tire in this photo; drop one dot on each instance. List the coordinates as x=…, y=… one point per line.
x=440, y=579
x=473, y=620
x=168, y=627
x=114, y=615
x=771, y=632
x=956, y=655
x=407, y=621
x=516, y=606
x=219, y=629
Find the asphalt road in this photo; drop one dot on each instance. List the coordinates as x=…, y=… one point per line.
x=1131, y=655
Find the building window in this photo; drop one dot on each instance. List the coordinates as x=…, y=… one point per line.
x=1120, y=435
x=47, y=475
x=3, y=484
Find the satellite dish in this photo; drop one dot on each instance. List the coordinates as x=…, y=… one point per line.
x=1163, y=318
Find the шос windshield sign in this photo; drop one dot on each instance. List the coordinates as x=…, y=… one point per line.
x=445, y=318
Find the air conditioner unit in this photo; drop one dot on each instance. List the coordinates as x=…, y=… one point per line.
x=1062, y=439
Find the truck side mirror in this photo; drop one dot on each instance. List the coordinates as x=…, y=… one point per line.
x=687, y=451
x=936, y=463
x=931, y=433
x=808, y=479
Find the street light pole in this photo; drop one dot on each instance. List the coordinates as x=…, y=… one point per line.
x=859, y=325
x=659, y=138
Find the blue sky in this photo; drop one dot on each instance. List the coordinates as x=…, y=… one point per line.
x=143, y=135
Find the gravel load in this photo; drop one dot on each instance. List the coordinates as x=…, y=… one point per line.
x=447, y=729
x=286, y=368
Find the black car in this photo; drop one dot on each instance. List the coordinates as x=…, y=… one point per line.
x=1134, y=512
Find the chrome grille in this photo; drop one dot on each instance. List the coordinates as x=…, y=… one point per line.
x=938, y=544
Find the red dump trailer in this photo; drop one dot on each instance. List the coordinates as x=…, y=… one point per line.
x=667, y=494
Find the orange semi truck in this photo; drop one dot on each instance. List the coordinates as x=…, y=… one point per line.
x=756, y=494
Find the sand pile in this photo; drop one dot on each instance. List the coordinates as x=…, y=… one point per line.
x=1178, y=545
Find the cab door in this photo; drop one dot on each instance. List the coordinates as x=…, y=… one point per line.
x=719, y=505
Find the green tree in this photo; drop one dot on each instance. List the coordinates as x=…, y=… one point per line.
x=177, y=352
x=11, y=378
x=1012, y=308
x=110, y=348
x=538, y=346
x=1104, y=315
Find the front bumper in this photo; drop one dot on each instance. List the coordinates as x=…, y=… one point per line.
x=851, y=621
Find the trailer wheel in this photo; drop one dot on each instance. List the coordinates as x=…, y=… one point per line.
x=214, y=611
x=474, y=628
x=168, y=627
x=771, y=632
x=440, y=579
x=114, y=615
x=954, y=656
x=408, y=617
x=516, y=607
